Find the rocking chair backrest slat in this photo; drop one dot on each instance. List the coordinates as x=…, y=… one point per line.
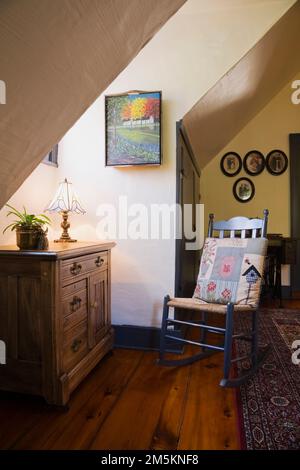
x=239, y=227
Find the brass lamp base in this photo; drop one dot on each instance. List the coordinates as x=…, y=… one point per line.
x=65, y=225
x=65, y=240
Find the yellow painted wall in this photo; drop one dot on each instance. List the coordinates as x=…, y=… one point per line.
x=269, y=130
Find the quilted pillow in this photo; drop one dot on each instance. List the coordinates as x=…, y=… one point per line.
x=231, y=270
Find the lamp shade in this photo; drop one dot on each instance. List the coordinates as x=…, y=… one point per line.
x=65, y=200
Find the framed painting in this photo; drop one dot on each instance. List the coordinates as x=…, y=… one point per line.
x=52, y=157
x=133, y=129
x=231, y=164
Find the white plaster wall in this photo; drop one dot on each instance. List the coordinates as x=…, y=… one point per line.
x=190, y=53
x=34, y=194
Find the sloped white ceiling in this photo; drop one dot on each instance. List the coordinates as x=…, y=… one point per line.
x=56, y=57
x=242, y=92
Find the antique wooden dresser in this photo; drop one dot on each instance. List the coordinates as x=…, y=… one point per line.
x=54, y=316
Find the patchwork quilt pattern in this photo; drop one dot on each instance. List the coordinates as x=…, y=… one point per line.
x=231, y=270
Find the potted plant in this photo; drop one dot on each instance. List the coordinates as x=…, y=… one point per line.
x=30, y=229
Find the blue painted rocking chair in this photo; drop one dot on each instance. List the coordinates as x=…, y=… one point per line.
x=237, y=227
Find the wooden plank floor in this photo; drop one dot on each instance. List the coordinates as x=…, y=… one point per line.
x=129, y=402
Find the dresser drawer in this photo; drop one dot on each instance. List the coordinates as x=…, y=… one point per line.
x=71, y=269
x=75, y=302
x=72, y=320
x=74, y=287
x=75, y=345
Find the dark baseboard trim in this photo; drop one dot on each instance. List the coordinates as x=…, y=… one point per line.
x=147, y=338
x=142, y=337
x=286, y=292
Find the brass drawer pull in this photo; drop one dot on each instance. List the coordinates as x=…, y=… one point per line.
x=75, y=304
x=99, y=261
x=75, y=269
x=76, y=345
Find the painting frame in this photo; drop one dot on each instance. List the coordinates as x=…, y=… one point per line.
x=259, y=168
x=237, y=194
x=52, y=157
x=153, y=126
x=285, y=160
x=238, y=159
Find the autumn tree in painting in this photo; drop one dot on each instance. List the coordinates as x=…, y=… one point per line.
x=152, y=109
x=126, y=112
x=138, y=108
x=120, y=108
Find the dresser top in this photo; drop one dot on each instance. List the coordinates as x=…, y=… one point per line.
x=59, y=250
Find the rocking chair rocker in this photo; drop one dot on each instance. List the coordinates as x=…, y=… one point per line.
x=238, y=228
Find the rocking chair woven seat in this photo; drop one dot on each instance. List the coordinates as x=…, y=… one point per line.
x=229, y=282
x=201, y=306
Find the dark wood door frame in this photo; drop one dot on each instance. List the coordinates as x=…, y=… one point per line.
x=180, y=132
x=294, y=140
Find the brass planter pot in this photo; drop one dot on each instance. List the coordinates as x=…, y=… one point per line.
x=27, y=239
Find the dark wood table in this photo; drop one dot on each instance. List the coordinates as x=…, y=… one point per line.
x=281, y=250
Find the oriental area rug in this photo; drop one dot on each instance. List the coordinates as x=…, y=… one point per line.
x=269, y=403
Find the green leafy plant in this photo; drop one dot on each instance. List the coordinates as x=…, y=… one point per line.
x=26, y=221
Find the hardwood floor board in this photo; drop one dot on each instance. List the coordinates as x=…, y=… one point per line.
x=167, y=432
x=133, y=421
x=129, y=402
x=210, y=418
x=81, y=430
x=18, y=414
x=51, y=422
x=274, y=304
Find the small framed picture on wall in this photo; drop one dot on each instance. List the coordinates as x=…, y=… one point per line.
x=52, y=157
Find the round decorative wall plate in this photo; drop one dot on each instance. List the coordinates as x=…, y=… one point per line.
x=276, y=162
x=243, y=190
x=254, y=162
x=231, y=164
